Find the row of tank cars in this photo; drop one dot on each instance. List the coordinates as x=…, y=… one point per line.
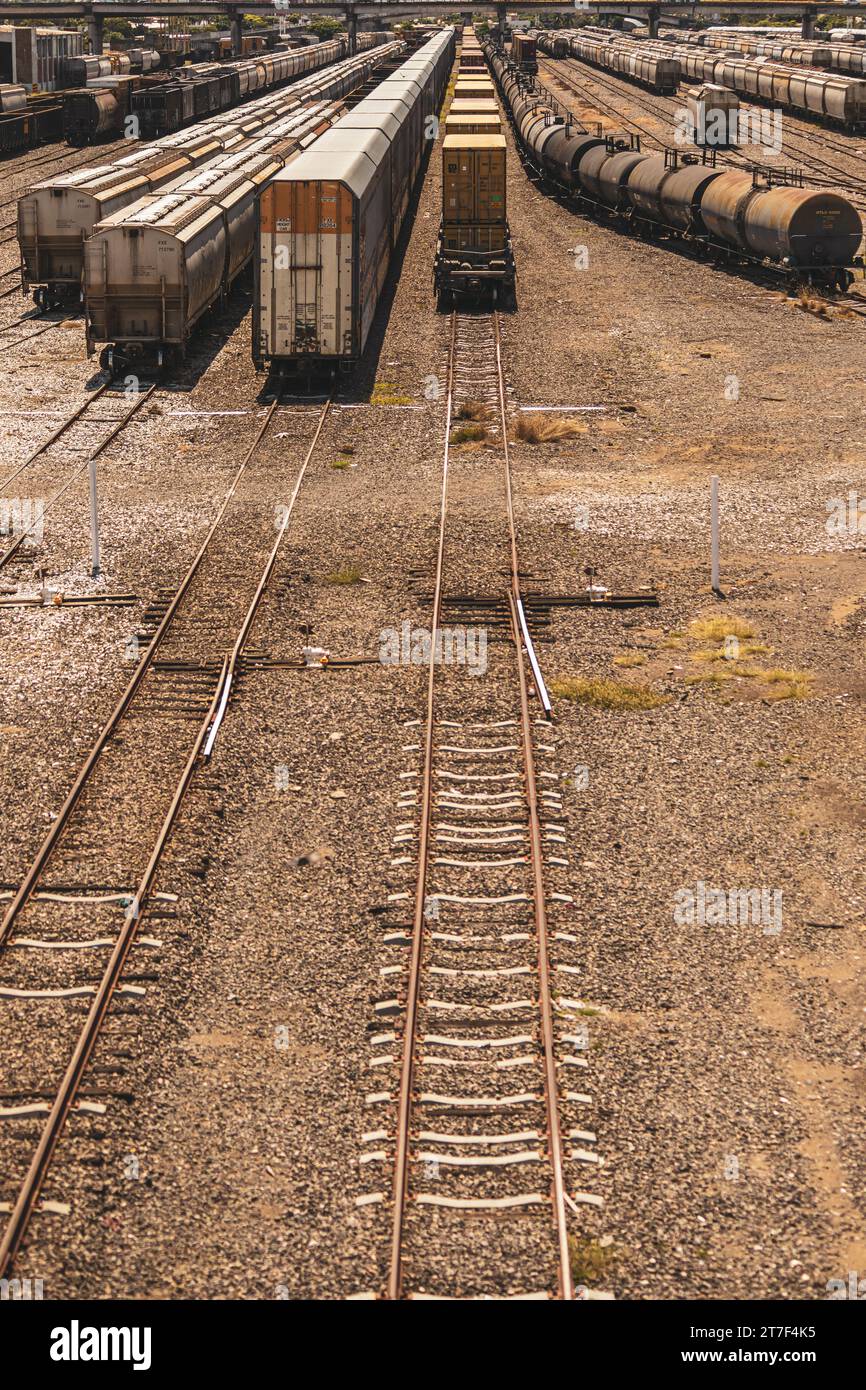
x=330, y=221
x=661, y=65
x=732, y=214
x=58, y=217
x=109, y=106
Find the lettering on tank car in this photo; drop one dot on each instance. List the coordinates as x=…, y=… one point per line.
x=284, y=224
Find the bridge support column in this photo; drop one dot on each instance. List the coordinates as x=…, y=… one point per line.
x=502, y=21
x=352, y=27
x=807, y=29
x=236, y=31
x=94, y=32
x=652, y=21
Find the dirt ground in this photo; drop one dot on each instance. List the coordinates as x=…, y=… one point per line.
x=726, y=1057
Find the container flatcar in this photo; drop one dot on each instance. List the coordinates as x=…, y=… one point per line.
x=330, y=221
x=524, y=52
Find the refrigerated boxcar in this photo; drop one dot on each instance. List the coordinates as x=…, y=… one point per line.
x=329, y=223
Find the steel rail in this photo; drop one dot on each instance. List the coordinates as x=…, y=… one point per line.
x=141, y=398
x=407, y=1072
x=49, y=843
x=61, y=429
x=240, y=642
x=521, y=638
x=28, y=1194
x=551, y=1088
x=394, y=1289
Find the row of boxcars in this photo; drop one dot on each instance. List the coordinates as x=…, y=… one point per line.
x=110, y=106
x=731, y=213
x=330, y=221
x=524, y=52
x=838, y=57
x=474, y=255
x=153, y=269
x=836, y=98
x=57, y=216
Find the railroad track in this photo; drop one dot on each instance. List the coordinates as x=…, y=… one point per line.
x=72, y=928
x=84, y=435
x=486, y=1135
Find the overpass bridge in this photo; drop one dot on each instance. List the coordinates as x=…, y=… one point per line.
x=359, y=12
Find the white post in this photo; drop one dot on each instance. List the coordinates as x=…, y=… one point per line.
x=94, y=523
x=714, y=533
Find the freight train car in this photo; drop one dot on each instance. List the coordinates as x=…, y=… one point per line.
x=847, y=58
x=28, y=120
x=659, y=71
x=155, y=268
x=736, y=216
x=524, y=53
x=474, y=256
x=212, y=88
x=99, y=110
x=329, y=223
x=197, y=90
x=835, y=98
x=56, y=217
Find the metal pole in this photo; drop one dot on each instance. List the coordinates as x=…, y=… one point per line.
x=714, y=533
x=94, y=523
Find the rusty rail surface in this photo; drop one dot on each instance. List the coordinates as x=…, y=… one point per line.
x=395, y=1282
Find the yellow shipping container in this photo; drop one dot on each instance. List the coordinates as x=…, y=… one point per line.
x=460, y=124
x=473, y=178
x=473, y=106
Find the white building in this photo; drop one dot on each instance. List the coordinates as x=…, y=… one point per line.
x=31, y=56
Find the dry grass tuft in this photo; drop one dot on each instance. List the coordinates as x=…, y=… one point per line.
x=630, y=659
x=468, y=434
x=786, y=685
x=349, y=574
x=341, y=463
x=388, y=393
x=811, y=303
x=719, y=654
x=715, y=677
x=605, y=694
x=717, y=629
x=590, y=1261
x=472, y=410
x=546, y=429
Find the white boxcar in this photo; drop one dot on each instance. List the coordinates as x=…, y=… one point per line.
x=329, y=222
